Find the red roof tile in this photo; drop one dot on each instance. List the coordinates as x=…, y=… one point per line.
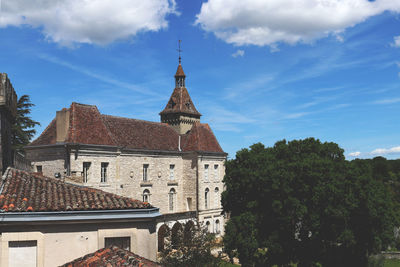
x=180, y=102
x=201, y=138
x=139, y=134
x=112, y=256
x=88, y=126
x=179, y=71
x=23, y=191
x=48, y=136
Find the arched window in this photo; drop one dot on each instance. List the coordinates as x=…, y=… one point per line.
x=208, y=226
x=171, y=196
x=217, y=227
x=162, y=232
x=176, y=235
x=206, y=198
x=146, y=195
x=216, y=198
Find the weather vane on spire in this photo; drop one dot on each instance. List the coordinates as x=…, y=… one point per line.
x=179, y=51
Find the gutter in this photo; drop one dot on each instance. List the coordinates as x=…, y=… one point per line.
x=79, y=216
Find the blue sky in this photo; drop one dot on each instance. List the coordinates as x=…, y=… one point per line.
x=258, y=71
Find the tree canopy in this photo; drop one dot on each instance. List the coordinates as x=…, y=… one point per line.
x=23, y=127
x=188, y=245
x=302, y=202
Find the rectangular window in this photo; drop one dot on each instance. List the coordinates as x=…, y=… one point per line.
x=104, y=166
x=189, y=203
x=171, y=172
x=39, y=169
x=206, y=172
x=145, y=172
x=22, y=253
x=85, y=173
x=216, y=176
x=121, y=242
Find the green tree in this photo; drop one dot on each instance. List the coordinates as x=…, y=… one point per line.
x=302, y=202
x=189, y=245
x=23, y=127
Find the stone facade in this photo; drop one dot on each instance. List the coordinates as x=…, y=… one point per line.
x=124, y=176
x=176, y=165
x=8, y=109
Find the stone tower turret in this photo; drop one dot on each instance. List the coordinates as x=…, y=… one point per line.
x=180, y=111
x=8, y=110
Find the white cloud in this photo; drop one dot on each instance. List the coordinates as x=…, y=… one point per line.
x=87, y=21
x=97, y=76
x=260, y=22
x=355, y=154
x=387, y=101
x=238, y=53
x=385, y=151
x=396, y=41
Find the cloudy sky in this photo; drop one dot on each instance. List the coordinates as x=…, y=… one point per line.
x=258, y=70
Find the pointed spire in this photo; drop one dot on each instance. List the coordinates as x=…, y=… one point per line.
x=180, y=111
x=179, y=51
x=180, y=75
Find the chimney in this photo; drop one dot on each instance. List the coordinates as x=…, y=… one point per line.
x=62, y=124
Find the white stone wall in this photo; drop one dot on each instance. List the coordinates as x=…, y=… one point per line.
x=125, y=176
x=211, y=181
x=59, y=244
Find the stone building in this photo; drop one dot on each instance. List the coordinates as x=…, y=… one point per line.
x=176, y=165
x=8, y=109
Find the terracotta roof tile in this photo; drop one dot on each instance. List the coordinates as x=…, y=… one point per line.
x=179, y=71
x=111, y=256
x=139, y=134
x=48, y=136
x=88, y=126
x=23, y=192
x=201, y=138
x=180, y=102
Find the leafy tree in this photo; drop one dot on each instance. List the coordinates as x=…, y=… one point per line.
x=301, y=201
x=189, y=245
x=23, y=127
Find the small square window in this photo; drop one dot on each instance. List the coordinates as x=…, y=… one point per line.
x=39, y=169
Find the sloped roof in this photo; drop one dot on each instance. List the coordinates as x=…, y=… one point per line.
x=180, y=102
x=24, y=192
x=201, y=138
x=88, y=126
x=112, y=256
x=139, y=134
x=179, y=71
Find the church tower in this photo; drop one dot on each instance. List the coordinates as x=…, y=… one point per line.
x=180, y=111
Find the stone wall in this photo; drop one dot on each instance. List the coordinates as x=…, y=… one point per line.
x=51, y=159
x=125, y=176
x=8, y=109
